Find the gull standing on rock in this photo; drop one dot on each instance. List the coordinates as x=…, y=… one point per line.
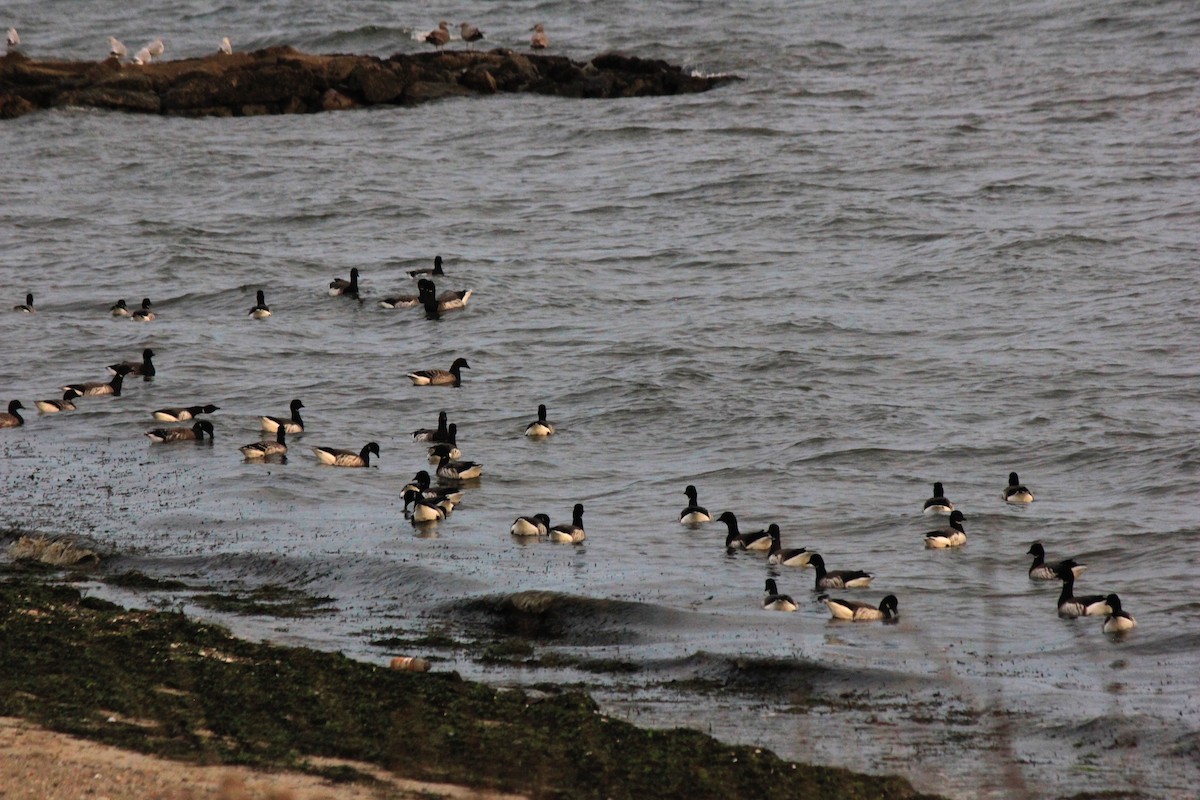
x=226, y=46
x=469, y=33
x=14, y=39
x=155, y=48
x=438, y=38
x=116, y=49
x=141, y=57
x=539, y=40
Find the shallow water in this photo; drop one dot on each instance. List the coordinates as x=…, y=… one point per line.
x=932, y=242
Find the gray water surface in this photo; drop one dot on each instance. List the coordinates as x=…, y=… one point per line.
x=919, y=242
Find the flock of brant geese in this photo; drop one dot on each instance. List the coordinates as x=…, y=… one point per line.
x=425, y=503
x=769, y=541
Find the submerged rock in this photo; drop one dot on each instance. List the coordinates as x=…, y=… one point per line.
x=282, y=80
x=56, y=551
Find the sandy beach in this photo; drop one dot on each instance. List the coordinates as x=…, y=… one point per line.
x=42, y=764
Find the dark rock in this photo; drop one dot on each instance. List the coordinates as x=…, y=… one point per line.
x=282, y=80
x=333, y=100
x=115, y=99
x=479, y=79
x=423, y=92
x=598, y=86
x=299, y=105
x=128, y=81
x=376, y=84
x=514, y=73
x=12, y=106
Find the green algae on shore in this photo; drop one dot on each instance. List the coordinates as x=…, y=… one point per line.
x=160, y=683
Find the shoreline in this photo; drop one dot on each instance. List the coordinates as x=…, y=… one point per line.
x=161, y=684
x=283, y=80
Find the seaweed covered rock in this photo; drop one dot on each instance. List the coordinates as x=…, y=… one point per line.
x=282, y=80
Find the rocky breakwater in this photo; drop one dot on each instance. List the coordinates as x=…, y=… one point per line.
x=282, y=80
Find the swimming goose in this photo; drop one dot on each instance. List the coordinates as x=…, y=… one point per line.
x=735, y=540
x=143, y=314
x=1015, y=492
x=27, y=307
x=293, y=424
x=569, y=534
x=424, y=509
x=1042, y=571
x=458, y=470
x=1070, y=606
x=1118, y=620
x=435, y=306
x=692, y=515
x=952, y=535
x=537, y=525
x=938, y=504
x=431, y=306
x=449, y=300
x=541, y=427
x=401, y=301
x=119, y=309
x=437, y=434
x=192, y=434
x=267, y=448
x=420, y=482
x=838, y=579
x=97, y=389
x=183, y=414
x=862, y=612
x=440, y=377
x=436, y=269
x=440, y=36
x=145, y=367
x=347, y=458
x=13, y=418
x=340, y=287
x=789, y=558
x=447, y=448
x=261, y=310
x=774, y=601
x=54, y=406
